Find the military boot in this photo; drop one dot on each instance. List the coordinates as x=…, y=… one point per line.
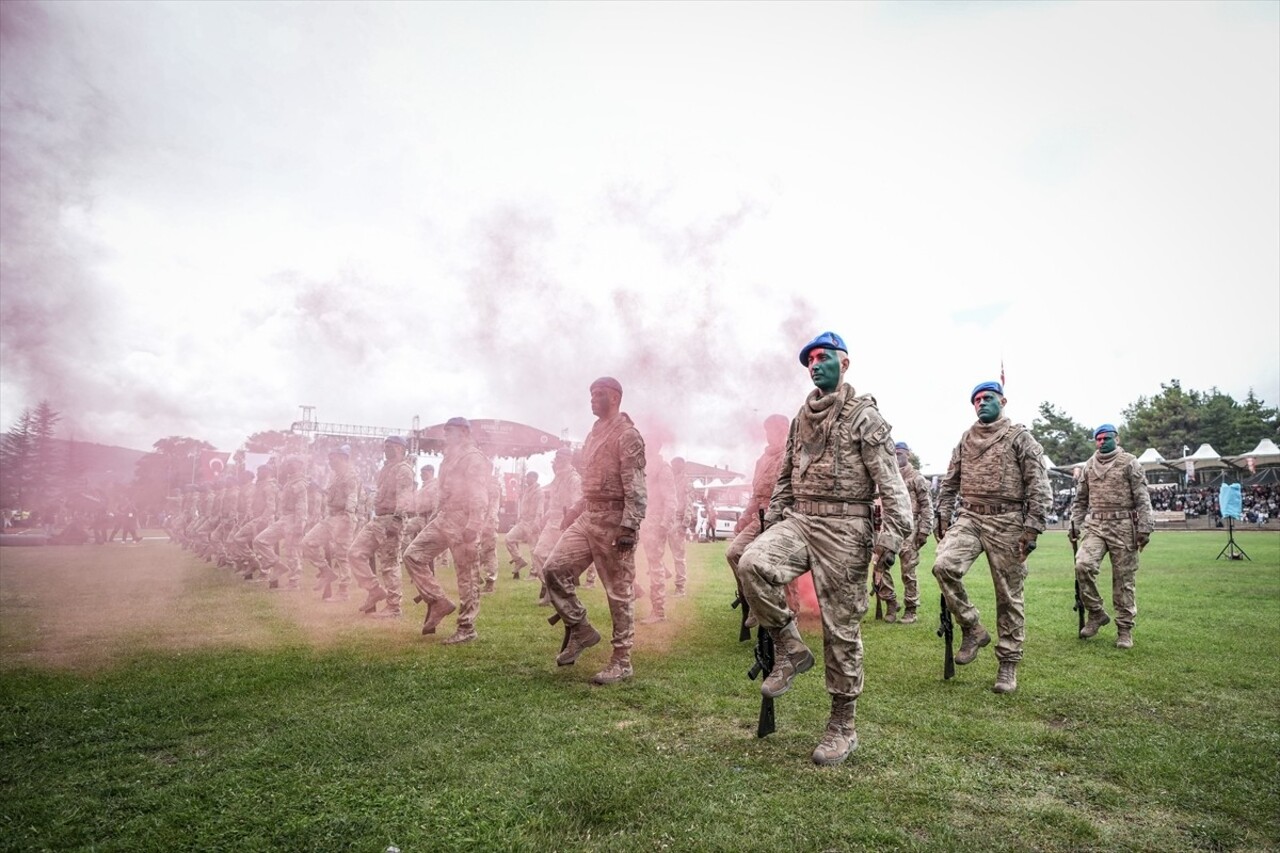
x=654, y=618
x=909, y=617
x=373, y=595
x=974, y=638
x=462, y=635
x=619, y=669
x=891, y=612
x=1007, y=678
x=437, y=609
x=840, y=738
x=489, y=587
x=1097, y=618
x=1124, y=638
x=579, y=638
x=791, y=657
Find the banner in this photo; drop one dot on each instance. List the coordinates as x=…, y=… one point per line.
x=1252, y=463
x=1191, y=471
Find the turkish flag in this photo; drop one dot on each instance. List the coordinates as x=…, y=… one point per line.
x=212, y=464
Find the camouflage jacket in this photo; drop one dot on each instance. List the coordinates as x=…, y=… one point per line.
x=563, y=492
x=613, y=467
x=1113, y=484
x=343, y=495
x=464, y=487
x=921, y=502
x=998, y=463
x=395, y=489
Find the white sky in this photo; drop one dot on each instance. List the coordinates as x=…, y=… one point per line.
x=215, y=212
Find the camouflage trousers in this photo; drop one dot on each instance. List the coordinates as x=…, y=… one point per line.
x=444, y=533
x=1114, y=537
x=591, y=539
x=325, y=546
x=734, y=553
x=653, y=538
x=997, y=536
x=242, y=543
x=524, y=533
x=836, y=551
x=909, y=560
x=284, y=532
x=487, y=547
x=378, y=541
x=547, y=540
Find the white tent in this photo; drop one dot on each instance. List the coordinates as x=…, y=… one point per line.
x=1205, y=458
x=1266, y=453
x=1151, y=460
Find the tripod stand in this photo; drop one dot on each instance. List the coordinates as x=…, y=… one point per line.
x=1231, y=550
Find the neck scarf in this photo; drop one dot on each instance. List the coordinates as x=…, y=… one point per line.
x=817, y=419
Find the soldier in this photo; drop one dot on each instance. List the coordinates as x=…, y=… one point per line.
x=378, y=542
x=602, y=528
x=327, y=543
x=457, y=525
x=487, y=546
x=563, y=492
x=1113, y=510
x=998, y=472
x=909, y=556
x=683, y=516
x=763, y=479
x=659, y=518
x=285, y=531
x=839, y=451
x=425, y=501
x=528, y=524
x=262, y=511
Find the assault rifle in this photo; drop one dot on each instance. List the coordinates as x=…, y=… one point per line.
x=946, y=630
x=767, y=724
x=764, y=654
x=744, y=633
x=1073, y=536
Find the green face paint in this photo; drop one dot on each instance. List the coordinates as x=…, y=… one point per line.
x=988, y=406
x=824, y=369
x=1106, y=442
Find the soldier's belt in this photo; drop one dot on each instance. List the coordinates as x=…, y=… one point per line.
x=604, y=506
x=396, y=515
x=1112, y=516
x=832, y=508
x=990, y=509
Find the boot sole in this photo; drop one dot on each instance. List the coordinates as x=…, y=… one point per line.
x=803, y=666
x=831, y=762
x=588, y=643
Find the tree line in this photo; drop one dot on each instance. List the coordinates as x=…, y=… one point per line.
x=1169, y=421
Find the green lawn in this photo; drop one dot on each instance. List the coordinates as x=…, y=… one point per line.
x=151, y=702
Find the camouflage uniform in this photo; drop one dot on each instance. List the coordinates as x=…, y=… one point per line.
x=527, y=527
x=488, y=544
x=1111, y=508
x=562, y=494
x=326, y=544
x=378, y=542
x=462, y=514
x=682, y=515
x=613, y=501
x=763, y=479
x=659, y=518
x=820, y=521
x=286, y=531
x=997, y=470
x=425, y=501
x=909, y=556
x=262, y=511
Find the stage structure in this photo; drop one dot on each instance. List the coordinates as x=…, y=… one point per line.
x=505, y=439
x=310, y=428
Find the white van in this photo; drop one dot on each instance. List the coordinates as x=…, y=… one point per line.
x=726, y=520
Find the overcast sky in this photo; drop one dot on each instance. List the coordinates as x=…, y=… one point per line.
x=211, y=213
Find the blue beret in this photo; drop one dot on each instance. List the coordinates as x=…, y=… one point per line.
x=396, y=439
x=985, y=386
x=607, y=382
x=900, y=445
x=826, y=340
x=1104, y=428
x=458, y=422
x=344, y=450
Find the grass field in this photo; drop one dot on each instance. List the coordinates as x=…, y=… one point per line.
x=151, y=702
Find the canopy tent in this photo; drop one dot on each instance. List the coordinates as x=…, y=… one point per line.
x=507, y=439
x=1205, y=459
x=1264, y=477
x=1264, y=455
x=709, y=474
x=1151, y=460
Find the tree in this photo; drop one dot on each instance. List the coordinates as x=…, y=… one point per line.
x=17, y=461
x=1168, y=422
x=164, y=471
x=46, y=473
x=268, y=441
x=1254, y=421
x=1064, y=440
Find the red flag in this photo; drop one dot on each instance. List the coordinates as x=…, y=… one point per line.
x=1002, y=372
x=212, y=464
